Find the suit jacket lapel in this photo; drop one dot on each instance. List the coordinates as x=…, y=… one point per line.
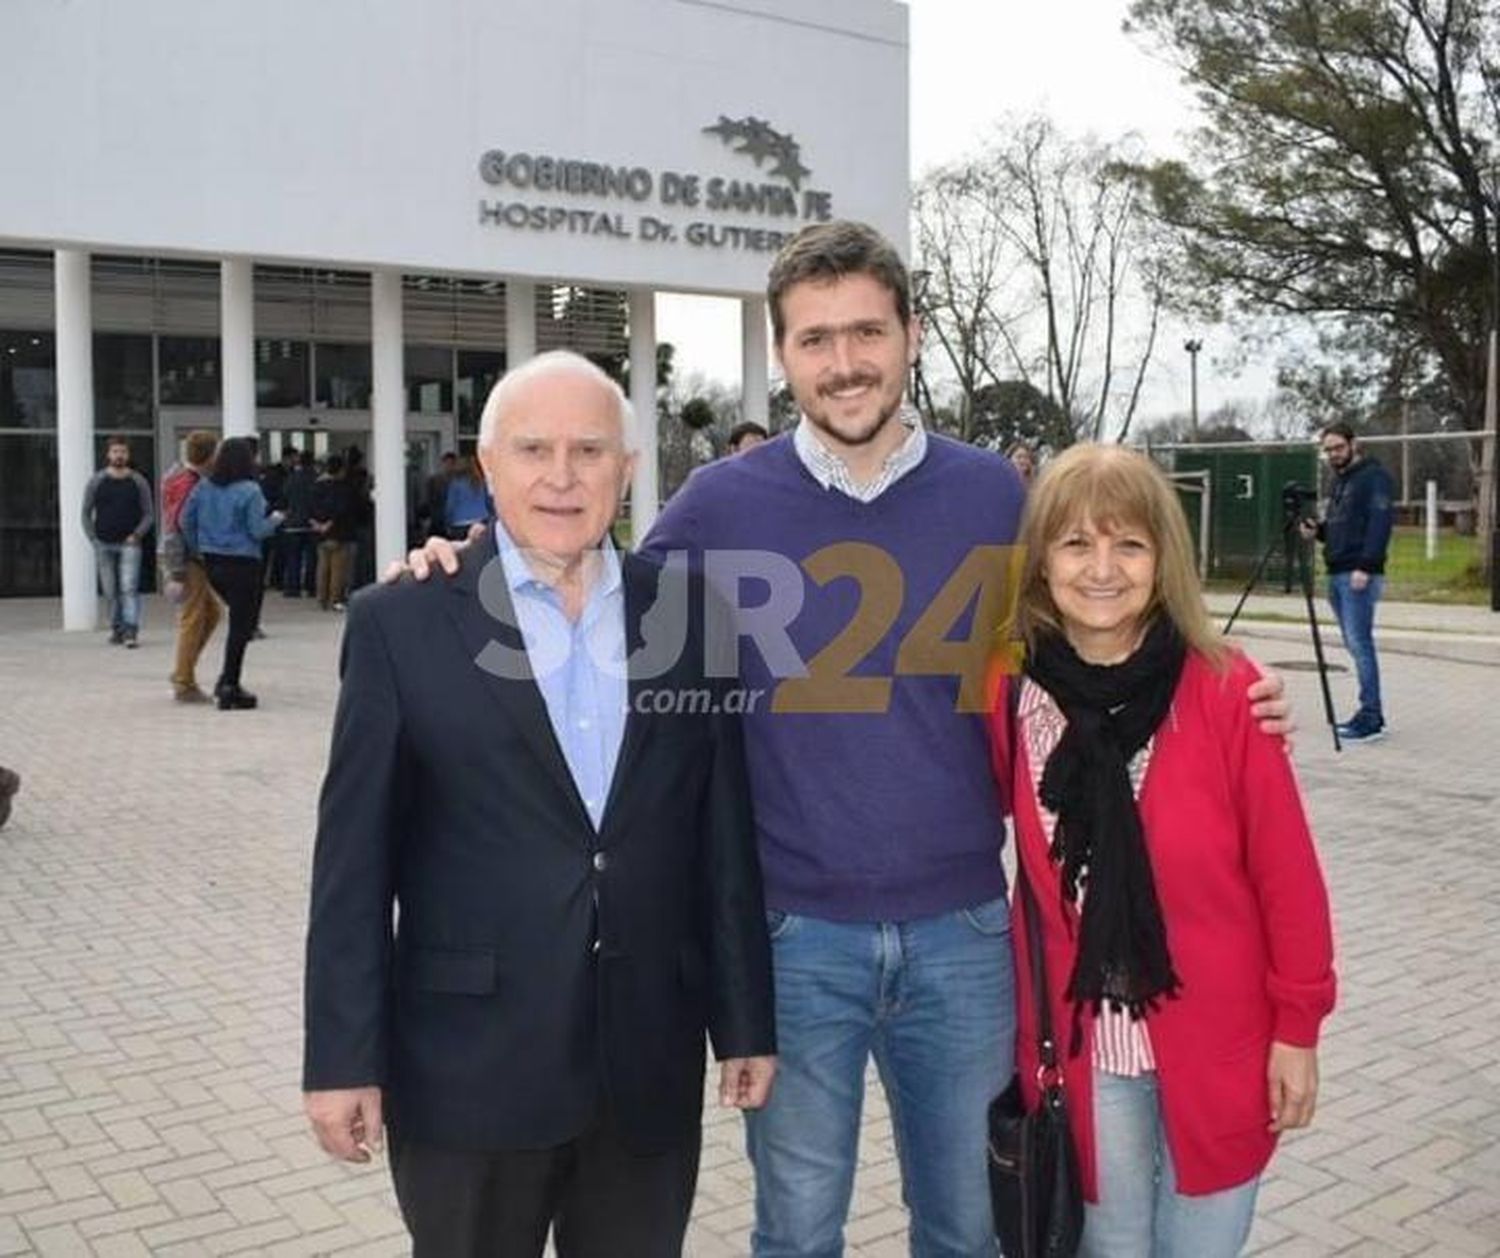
x=640, y=581
x=485, y=615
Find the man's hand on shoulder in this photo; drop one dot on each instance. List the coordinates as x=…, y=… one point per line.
x=347, y=1121
x=436, y=552
x=1269, y=705
x=745, y=1082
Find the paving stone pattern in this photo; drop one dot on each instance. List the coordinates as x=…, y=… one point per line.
x=152, y=888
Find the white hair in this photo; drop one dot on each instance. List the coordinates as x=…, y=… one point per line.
x=555, y=362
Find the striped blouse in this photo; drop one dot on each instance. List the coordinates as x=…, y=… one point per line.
x=1121, y=1044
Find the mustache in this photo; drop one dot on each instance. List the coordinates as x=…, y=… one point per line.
x=855, y=380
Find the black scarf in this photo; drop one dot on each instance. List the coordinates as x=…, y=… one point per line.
x=1112, y=711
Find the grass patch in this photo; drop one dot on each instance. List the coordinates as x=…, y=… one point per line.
x=1453, y=575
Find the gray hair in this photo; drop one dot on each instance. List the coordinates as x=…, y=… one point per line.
x=553, y=362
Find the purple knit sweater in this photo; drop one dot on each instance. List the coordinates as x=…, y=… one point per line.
x=862, y=816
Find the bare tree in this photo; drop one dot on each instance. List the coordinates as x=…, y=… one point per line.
x=1040, y=268
x=963, y=259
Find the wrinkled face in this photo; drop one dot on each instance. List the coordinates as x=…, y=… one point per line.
x=1101, y=582
x=845, y=353
x=557, y=465
x=1338, y=450
x=118, y=454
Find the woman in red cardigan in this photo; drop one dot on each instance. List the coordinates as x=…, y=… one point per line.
x=1184, y=920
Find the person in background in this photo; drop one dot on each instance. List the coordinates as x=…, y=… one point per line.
x=332, y=515
x=225, y=522
x=299, y=545
x=468, y=500
x=362, y=496
x=117, y=516
x=746, y=434
x=1184, y=923
x=1023, y=458
x=431, y=517
x=1356, y=533
x=273, y=485
x=10, y=783
x=187, y=582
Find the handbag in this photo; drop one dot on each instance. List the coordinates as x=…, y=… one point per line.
x=1034, y=1182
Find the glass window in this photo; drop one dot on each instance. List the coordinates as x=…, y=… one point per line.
x=189, y=370
x=429, y=380
x=29, y=556
x=122, y=383
x=281, y=369
x=343, y=376
x=477, y=372
x=28, y=380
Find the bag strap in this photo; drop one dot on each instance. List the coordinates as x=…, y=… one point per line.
x=1046, y=1045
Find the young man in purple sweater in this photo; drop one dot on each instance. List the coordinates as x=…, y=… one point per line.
x=880, y=829
x=868, y=555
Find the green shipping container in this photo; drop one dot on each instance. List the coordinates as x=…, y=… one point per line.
x=1245, y=504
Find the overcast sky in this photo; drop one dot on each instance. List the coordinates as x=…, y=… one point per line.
x=974, y=61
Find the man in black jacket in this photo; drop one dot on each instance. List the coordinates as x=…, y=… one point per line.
x=1356, y=532
x=558, y=809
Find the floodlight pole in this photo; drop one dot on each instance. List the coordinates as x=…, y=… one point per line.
x=1192, y=347
x=1492, y=399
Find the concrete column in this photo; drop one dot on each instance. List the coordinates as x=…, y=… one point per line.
x=388, y=416
x=75, y=434
x=643, y=490
x=237, y=345
x=755, y=402
x=520, y=322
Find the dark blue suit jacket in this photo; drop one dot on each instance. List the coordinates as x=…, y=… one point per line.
x=505, y=973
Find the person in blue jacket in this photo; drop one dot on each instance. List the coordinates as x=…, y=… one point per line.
x=1356, y=533
x=467, y=502
x=225, y=521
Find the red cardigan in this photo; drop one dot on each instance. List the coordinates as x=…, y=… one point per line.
x=1247, y=922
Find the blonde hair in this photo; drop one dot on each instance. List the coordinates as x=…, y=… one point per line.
x=1112, y=487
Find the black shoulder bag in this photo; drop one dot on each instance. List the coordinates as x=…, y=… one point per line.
x=1034, y=1180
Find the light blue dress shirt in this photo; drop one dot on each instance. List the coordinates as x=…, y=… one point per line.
x=579, y=666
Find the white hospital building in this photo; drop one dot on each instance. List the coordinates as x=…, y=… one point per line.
x=336, y=222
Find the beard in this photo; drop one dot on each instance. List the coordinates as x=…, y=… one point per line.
x=860, y=433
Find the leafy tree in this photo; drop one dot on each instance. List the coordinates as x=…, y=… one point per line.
x=1011, y=411
x=1345, y=172
x=697, y=415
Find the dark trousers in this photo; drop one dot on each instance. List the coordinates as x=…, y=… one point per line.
x=599, y=1199
x=236, y=579
x=299, y=556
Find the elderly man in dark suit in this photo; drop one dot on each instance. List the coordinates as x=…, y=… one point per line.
x=535, y=883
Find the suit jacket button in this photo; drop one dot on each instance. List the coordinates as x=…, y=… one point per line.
x=594, y=947
x=601, y=862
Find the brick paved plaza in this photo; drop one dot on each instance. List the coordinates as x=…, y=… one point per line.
x=152, y=885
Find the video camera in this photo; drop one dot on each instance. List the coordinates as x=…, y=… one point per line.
x=1299, y=503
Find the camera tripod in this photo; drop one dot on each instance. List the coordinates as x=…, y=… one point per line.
x=1292, y=542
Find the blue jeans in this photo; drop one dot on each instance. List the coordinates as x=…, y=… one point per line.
x=1140, y=1213
x=120, y=579
x=1355, y=612
x=933, y=1000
